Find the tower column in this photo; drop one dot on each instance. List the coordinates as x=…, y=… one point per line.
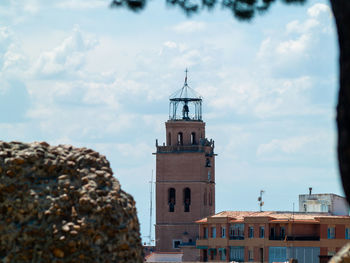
x=185, y=174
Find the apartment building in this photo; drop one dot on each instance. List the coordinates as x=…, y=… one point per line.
x=247, y=236
x=330, y=203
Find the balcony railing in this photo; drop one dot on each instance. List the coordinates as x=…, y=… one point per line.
x=303, y=238
x=236, y=237
x=193, y=243
x=295, y=238
x=277, y=237
x=180, y=148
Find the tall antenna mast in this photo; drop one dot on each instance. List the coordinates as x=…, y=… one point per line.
x=261, y=203
x=150, y=210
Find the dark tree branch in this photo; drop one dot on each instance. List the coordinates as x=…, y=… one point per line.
x=241, y=9
x=341, y=11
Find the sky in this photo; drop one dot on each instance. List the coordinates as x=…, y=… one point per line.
x=78, y=72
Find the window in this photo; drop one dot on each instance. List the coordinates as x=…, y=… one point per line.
x=347, y=236
x=272, y=233
x=205, y=255
x=212, y=252
x=210, y=198
x=205, y=232
x=261, y=232
x=179, y=138
x=213, y=232
x=193, y=138
x=222, y=252
x=281, y=254
x=250, y=255
x=283, y=232
x=251, y=232
x=223, y=232
x=237, y=254
x=207, y=163
x=176, y=243
x=331, y=233
x=187, y=199
x=232, y=231
x=209, y=176
x=171, y=199
x=169, y=138
x=305, y=208
x=237, y=231
x=261, y=253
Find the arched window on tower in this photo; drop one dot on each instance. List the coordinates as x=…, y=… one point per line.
x=207, y=163
x=187, y=199
x=180, y=138
x=210, y=198
x=171, y=199
x=169, y=139
x=193, y=138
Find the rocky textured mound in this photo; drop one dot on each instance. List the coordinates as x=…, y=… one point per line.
x=62, y=204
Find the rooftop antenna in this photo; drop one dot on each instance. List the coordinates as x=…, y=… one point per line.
x=151, y=210
x=261, y=203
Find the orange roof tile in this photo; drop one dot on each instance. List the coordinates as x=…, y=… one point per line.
x=274, y=216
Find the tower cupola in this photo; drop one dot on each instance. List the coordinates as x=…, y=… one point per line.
x=185, y=104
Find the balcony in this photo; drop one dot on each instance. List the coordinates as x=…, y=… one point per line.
x=236, y=237
x=277, y=237
x=295, y=238
x=180, y=148
x=303, y=238
x=188, y=244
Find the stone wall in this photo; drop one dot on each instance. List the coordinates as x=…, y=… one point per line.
x=62, y=204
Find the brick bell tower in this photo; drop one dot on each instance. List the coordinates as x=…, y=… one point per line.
x=185, y=173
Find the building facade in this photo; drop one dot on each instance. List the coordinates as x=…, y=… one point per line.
x=185, y=174
x=330, y=203
x=271, y=236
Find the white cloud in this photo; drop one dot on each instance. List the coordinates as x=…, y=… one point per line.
x=5, y=34
x=17, y=12
x=189, y=27
x=294, y=147
x=301, y=27
x=262, y=96
x=294, y=46
x=6, y=38
x=12, y=59
x=170, y=44
x=287, y=146
x=68, y=57
x=297, y=46
x=32, y=7
x=317, y=9
x=82, y=4
x=138, y=150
